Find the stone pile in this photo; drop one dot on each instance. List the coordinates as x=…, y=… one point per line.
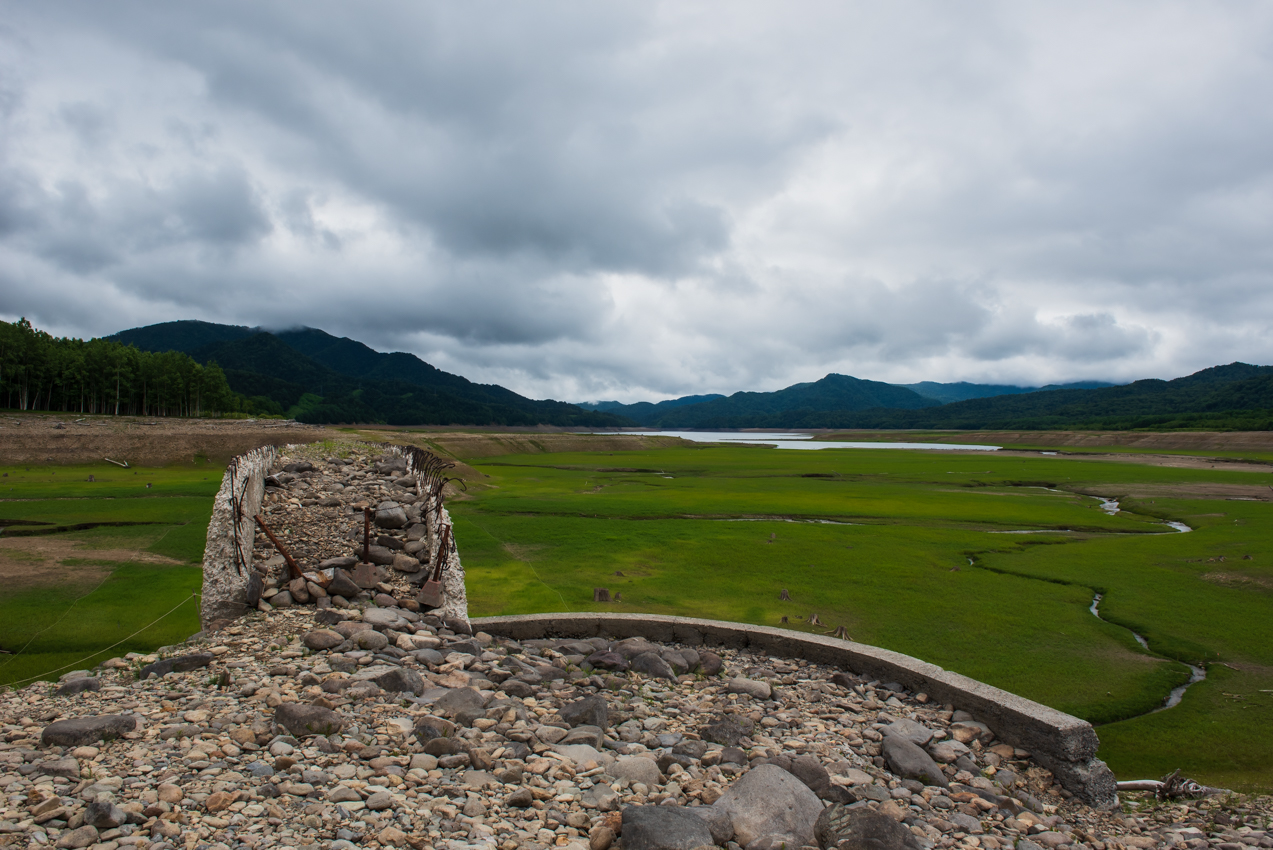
x=379, y=726
x=315, y=507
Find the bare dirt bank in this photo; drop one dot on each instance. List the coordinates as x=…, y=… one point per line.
x=140, y=441
x=464, y=446
x=1216, y=441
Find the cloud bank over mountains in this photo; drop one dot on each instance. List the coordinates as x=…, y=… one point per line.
x=637, y=201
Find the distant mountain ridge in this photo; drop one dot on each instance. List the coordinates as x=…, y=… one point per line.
x=829, y=394
x=964, y=391
x=1237, y=396
x=321, y=378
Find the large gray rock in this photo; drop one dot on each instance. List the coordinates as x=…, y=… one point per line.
x=583, y=753
x=67, y=768
x=861, y=829
x=381, y=556
x=77, y=838
x=589, y=711
x=916, y=733
x=394, y=679
x=104, y=814
x=946, y=752
x=636, y=769
x=322, y=639
x=724, y=731
x=767, y=801
x=383, y=618
x=606, y=660
x=341, y=584
x=305, y=721
x=593, y=736
x=663, y=828
x=80, y=731
x=391, y=515
x=178, y=664
x=967, y=823
x=459, y=699
x=370, y=639
x=404, y=563
x=751, y=687
x=79, y=686
x=632, y=647
x=909, y=761
x=710, y=664
x=652, y=664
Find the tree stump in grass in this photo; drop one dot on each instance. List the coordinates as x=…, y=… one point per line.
x=600, y=594
x=814, y=621
x=784, y=595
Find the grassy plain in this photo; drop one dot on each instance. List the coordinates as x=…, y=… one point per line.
x=69, y=594
x=922, y=552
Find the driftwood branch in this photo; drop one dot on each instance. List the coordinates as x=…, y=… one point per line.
x=1173, y=786
x=122, y=463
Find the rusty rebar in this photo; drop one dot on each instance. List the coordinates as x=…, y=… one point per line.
x=293, y=570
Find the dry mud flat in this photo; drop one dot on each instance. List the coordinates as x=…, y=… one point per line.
x=1203, y=441
x=27, y=562
x=379, y=727
x=39, y=438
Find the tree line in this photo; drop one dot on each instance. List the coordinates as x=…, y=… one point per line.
x=39, y=371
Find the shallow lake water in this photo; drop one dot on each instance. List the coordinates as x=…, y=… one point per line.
x=789, y=440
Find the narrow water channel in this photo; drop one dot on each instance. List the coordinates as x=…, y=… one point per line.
x=1196, y=674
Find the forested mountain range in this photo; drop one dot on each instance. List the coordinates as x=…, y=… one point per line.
x=963, y=391
x=197, y=368
x=1236, y=396
x=320, y=378
x=832, y=393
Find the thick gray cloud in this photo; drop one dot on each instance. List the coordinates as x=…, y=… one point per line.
x=642, y=200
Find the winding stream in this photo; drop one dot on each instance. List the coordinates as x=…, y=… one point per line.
x=1196, y=674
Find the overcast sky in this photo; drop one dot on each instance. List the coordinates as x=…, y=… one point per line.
x=644, y=200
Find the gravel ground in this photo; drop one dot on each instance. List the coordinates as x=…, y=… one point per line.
x=500, y=744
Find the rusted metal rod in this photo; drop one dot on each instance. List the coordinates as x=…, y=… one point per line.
x=293, y=570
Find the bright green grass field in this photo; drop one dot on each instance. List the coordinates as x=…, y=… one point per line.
x=884, y=549
x=45, y=629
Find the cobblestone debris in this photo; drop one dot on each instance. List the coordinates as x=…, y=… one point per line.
x=509, y=744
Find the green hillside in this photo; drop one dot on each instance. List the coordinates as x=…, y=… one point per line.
x=315, y=377
x=833, y=393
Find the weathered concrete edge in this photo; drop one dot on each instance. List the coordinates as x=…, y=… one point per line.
x=1063, y=743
